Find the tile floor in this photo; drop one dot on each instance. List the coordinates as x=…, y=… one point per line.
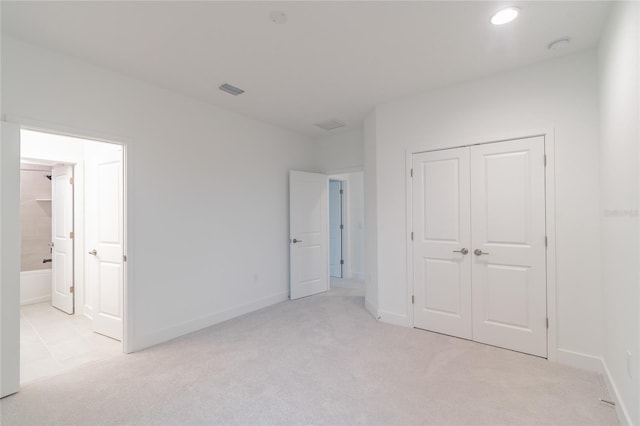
x=52, y=342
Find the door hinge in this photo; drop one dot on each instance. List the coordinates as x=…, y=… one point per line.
x=546, y=241
x=547, y=323
x=124, y=257
x=71, y=289
x=71, y=180
x=342, y=261
x=545, y=160
x=411, y=235
x=341, y=191
x=71, y=234
x=341, y=226
x=413, y=299
x=411, y=172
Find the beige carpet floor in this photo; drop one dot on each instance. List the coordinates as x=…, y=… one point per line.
x=318, y=360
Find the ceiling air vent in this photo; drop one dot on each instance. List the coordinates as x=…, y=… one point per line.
x=330, y=124
x=231, y=89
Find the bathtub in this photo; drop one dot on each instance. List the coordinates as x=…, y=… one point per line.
x=35, y=286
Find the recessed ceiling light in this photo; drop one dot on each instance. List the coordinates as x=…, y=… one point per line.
x=278, y=17
x=231, y=89
x=330, y=124
x=561, y=43
x=504, y=16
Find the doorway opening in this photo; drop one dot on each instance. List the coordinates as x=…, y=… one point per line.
x=72, y=268
x=336, y=228
x=346, y=230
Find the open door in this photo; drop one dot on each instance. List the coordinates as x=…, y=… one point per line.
x=105, y=238
x=308, y=229
x=62, y=238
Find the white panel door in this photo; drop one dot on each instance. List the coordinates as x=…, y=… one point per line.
x=335, y=228
x=508, y=234
x=62, y=238
x=308, y=234
x=441, y=259
x=105, y=238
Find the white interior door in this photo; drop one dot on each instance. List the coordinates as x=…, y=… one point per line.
x=508, y=223
x=441, y=226
x=62, y=238
x=105, y=238
x=335, y=228
x=308, y=234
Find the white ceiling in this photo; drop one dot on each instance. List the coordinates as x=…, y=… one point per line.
x=330, y=60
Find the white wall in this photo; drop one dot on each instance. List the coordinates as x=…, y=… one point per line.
x=559, y=94
x=208, y=195
x=340, y=153
x=619, y=72
x=371, y=213
x=9, y=259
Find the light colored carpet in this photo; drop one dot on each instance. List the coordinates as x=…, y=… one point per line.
x=318, y=360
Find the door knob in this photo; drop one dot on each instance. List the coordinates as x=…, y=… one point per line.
x=463, y=251
x=93, y=252
x=296, y=241
x=479, y=252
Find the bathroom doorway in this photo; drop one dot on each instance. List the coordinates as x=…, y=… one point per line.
x=346, y=230
x=72, y=256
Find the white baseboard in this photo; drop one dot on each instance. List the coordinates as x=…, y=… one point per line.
x=597, y=365
x=579, y=360
x=169, y=333
x=392, y=318
x=371, y=308
x=621, y=409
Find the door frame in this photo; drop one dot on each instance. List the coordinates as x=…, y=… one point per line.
x=549, y=149
x=24, y=123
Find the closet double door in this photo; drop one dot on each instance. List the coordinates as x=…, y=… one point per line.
x=479, y=261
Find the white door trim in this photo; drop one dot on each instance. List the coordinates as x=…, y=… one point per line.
x=10, y=259
x=128, y=342
x=549, y=140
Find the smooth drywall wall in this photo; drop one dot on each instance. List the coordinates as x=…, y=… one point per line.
x=370, y=214
x=558, y=95
x=9, y=259
x=340, y=153
x=207, y=188
x=619, y=72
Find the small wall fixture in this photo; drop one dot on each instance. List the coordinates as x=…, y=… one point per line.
x=231, y=89
x=505, y=16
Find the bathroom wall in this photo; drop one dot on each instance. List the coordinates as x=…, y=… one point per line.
x=35, y=216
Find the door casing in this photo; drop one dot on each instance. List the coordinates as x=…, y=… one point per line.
x=128, y=344
x=548, y=134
